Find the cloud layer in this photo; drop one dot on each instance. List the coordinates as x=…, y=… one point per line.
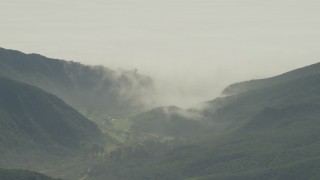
x=192, y=48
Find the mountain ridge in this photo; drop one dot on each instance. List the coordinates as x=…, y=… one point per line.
x=82, y=86
x=260, y=83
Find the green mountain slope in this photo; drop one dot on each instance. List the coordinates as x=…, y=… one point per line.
x=22, y=175
x=267, y=133
x=242, y=107
x=34, y=120
x=84, y=87
x=261, y=83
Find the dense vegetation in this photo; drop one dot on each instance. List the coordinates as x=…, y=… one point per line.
x=32, y=113
x=37, y=127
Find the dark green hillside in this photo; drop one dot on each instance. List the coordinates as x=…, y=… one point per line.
x=22, y=175
x=269, y=133
x=261, y=83
x=84, y=87
x=31, y=119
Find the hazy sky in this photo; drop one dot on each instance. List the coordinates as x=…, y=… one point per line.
x=193, y=47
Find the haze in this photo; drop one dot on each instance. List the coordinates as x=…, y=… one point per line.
x=193, y=48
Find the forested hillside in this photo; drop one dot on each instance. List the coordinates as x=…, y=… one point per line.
x=36, y=127
x=90, y=88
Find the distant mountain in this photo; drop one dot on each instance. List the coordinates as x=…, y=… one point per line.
x=22, y=175
x=33, y=121
x=84, y=87
x=240, y=108
x=266, y=133
x=261, y=83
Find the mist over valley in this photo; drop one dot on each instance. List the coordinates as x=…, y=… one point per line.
x=159, y=90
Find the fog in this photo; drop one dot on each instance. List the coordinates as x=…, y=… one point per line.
x=192, y=48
